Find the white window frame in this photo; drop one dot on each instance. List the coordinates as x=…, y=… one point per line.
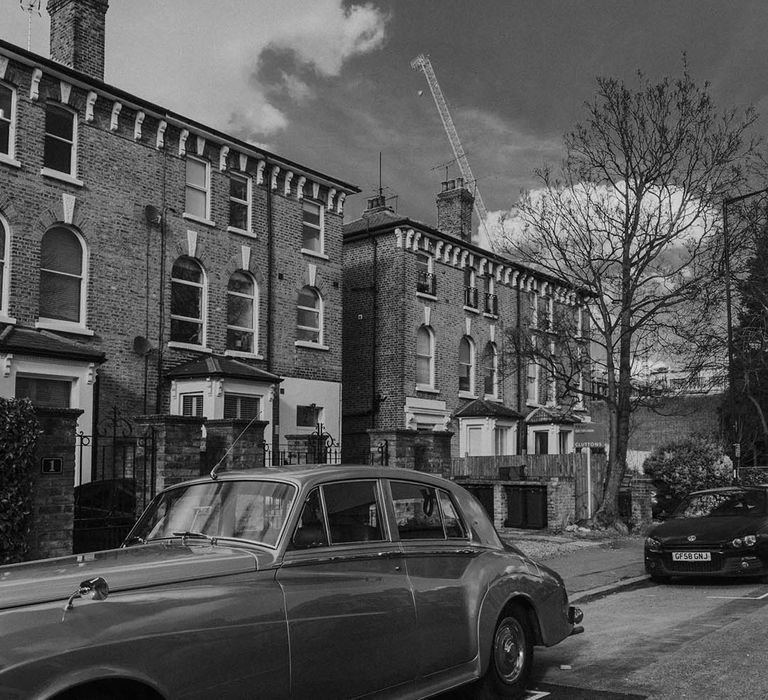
x=203, y=320
x=239, y=396
x=253, y=330
x=58, y=324
x=10, y=157
x=552, y=389
x=206, y=190
x=247, y=202
x=197, y=400
x=532, y=387
x=421, y=386
x=5, y=272
x=320, y=310
x=495, y=353
x=424, y=255
x=470, y=392
x=319, y=227
x=71, y=175
x=534, y=301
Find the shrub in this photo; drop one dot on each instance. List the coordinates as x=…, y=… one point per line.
x=689, y=464
x=18, y=436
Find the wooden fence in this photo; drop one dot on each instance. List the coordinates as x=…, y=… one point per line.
x=540, y=468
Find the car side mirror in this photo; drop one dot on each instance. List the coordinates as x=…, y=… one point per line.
x=95, y=588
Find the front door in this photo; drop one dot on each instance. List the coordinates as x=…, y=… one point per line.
x=351, y=617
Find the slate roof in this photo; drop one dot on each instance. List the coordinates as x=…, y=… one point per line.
x=222, y=366
x=43, y=343
x=480, y=408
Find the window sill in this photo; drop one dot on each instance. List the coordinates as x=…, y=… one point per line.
x=64, y=177
x=427, y=389
x=241, y=232
x=240, y=353
x=310, y=346
x=52, y=324
x=467, y=395
x=473, y=309
x=8, y=160
x=314, y=254
x=492, y=397
x=7, y=319
x=426, y=295
x=199, y=220
x=488, y=315
x=176, y=345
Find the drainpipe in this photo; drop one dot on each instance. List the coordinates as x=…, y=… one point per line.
x=161, y=304
x=521, y=429
x=275, y=437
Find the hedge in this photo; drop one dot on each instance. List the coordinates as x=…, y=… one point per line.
x=18, y=437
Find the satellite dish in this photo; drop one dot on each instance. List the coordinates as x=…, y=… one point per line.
x=141, y=346
x=152, y=214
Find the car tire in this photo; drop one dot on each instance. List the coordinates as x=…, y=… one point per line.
x=511, y=657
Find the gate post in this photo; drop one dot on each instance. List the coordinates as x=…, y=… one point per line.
x=238, y=442
x=53, y=499
x=178, y=441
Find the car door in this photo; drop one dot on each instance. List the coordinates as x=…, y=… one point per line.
x=438, y=557
x=351, y=617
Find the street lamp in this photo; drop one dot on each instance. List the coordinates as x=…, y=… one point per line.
x=727, y=201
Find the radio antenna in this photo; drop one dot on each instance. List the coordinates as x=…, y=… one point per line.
x=30, y=6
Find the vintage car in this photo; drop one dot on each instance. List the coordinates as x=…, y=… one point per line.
x=714, y=532
x=311, y=582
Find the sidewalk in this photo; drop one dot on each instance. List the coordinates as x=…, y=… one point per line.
x=590, y=566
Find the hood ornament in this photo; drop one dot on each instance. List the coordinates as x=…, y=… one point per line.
x=691, y=538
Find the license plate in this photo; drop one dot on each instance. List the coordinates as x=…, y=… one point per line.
x=691, y=556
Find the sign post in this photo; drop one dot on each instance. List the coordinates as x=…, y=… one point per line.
x=587, y=436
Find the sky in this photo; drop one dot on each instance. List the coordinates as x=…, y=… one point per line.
x=328, y=83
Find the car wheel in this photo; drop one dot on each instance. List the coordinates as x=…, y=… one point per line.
x=511, y=657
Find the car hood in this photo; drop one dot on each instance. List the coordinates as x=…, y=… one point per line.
x=123, y=569
x=708, y=530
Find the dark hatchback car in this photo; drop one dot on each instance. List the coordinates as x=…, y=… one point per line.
x=716, y=532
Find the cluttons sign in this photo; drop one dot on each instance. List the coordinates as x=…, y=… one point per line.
x=590, y=435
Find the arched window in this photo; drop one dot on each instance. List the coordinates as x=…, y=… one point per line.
x=309, y=316
x=187, y=302
x=425, y=358
x=467, y=365
x=4, y=255
x=491, y=371
x=62, y=278
x=241, y=313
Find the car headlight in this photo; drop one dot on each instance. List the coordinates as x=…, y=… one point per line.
x=746, y=541
x=652, y=544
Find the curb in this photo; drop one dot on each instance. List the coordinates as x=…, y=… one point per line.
x=602, y=591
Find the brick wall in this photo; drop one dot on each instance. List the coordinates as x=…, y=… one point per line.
x=52, y=493
x=123, y=171
x=77, y=34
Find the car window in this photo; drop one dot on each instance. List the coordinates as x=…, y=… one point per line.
x=352, y=510
x=453, y=526
x=424, y=512
x=723, y=503
x=311, y=530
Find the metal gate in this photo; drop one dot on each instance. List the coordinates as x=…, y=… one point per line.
x=122, y=481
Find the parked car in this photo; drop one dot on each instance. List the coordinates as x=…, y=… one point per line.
x=715, y=532
x=304, y=582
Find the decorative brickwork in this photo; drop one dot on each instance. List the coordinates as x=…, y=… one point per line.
x=53, y=498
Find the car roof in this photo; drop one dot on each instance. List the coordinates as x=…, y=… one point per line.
x=312, y=473
x=731, y=489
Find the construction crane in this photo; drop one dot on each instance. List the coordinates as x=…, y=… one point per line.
x=422, y=63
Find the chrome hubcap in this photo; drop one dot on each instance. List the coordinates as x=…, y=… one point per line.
x=509, y=650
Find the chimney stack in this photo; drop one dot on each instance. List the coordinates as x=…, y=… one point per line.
x=376, y=204
x=454, y=209
x=77, y=34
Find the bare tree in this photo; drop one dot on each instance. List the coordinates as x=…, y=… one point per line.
x=633, y=220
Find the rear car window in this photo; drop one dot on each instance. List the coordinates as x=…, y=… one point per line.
x=424, y=512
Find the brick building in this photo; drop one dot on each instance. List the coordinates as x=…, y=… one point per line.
x=150, y=264
x=426, y=317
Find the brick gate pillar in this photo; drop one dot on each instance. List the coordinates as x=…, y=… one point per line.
x=237, y=442
x=178, y=441
x=53, y=500
x=427, y=451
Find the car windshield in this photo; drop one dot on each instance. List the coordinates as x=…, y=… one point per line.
x=722, y=503
x=248, y=510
